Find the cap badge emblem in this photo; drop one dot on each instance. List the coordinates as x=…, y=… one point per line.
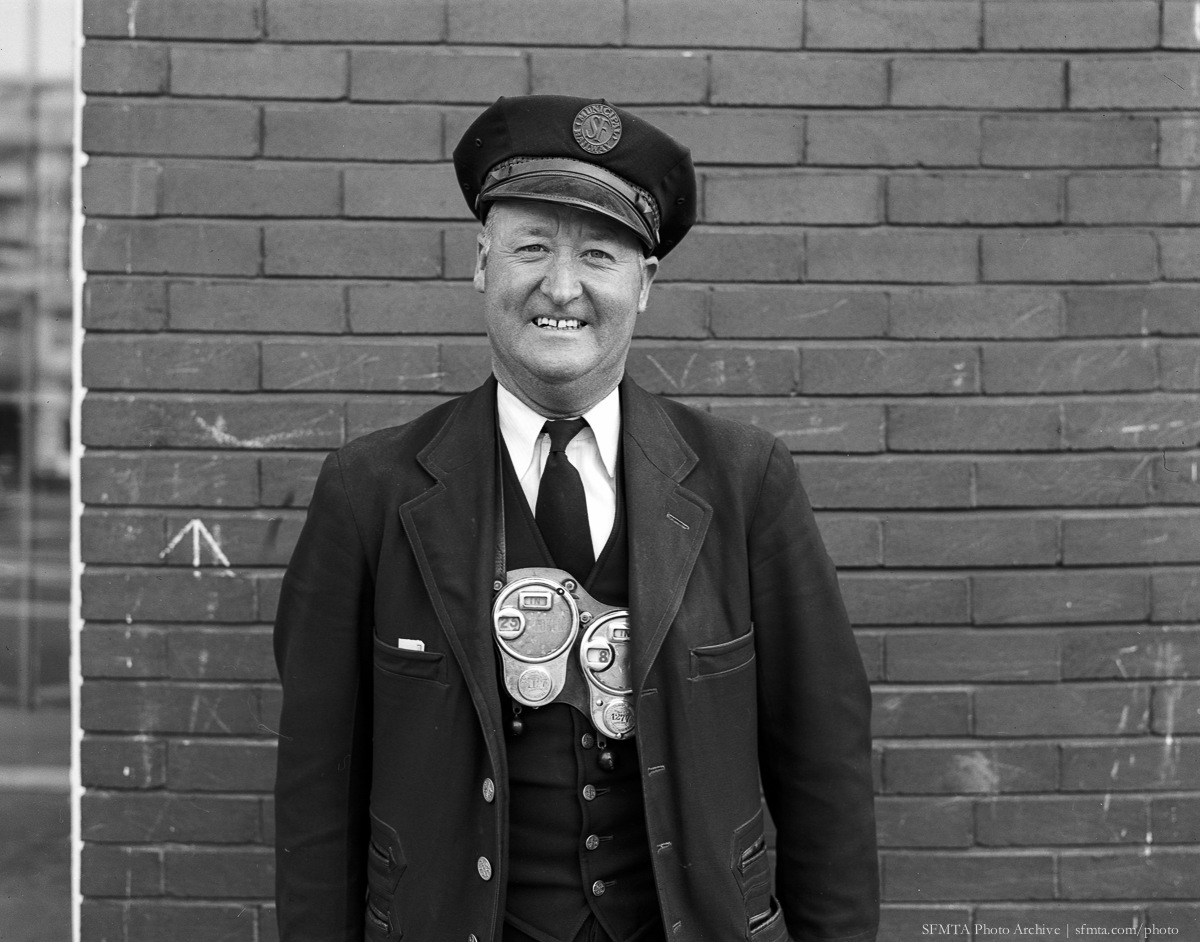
x=597, y=128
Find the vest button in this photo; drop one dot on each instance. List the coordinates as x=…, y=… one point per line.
x=592, y=842
x=484, y=866
x=588, y=740
x=489, y=790
x=598, y=888
x=589, y=792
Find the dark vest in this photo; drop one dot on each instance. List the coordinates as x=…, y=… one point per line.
x=564, y=846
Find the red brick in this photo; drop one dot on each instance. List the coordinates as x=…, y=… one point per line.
x=537, y=22
x=139, y=478
x=1069, y=367
x=211, y=422
x=899, y=255
x=764, y=78
x=1055, y=24
x=364, y=416
x=1123, y=198
x=731, y=369
x=891, y=24
x=1157, y=537
x=1146, y=651
x=122, y=762
x=1032, y=598
x=364, y=250
x=1138, y=311
x=287, y=480
x=1029, y=822
x=434, y=307
x=959, y=655
x=123, y=68
x=795, y=197
x=352, y=132
x=113, y=187
x=1062, y=710
x=1069, y=256
x=974, y=539
x=1165, y=874
x=122, y=817
x=982, y=199
x=240, y=189
x=1179, y=142
x=937, y=313
x=1175, y=820
x=192, y=129
x=974, y=768
x=124, y=304
x=1049, y=140
x=1180, y=251
x=992, y=82
x=904, y=712
x=923, y=822
x=627, y=77
x=891, y=140
x=371, y=21
x=167, y=595
x=911, y=481
x=1155, y=765
x=123, y=651
x=798, y=312
x=1176, y=595
x=973, y=426
x=719, y=136
x=174, y=19
x=773, y=24
x=424, y=191
x=437, y=75
x=207, y=765
x=121, y=537
x=460, y=247
x=1062, y=480
x=271, y=71
x=217, y=873
x=962, y=876
x=199, y=248
x=1157, y=422
x=121, y=871
x=208, y=653
x=257, y=306
x=171, y=707
x=1176, y=709
x=675, y=311
x=170, y=363
x=1176, y=479
x=888, y=368
x=1170, y=80
x=144, y=921
x=374, y=365
x=1179, y=25
x=852, y=540
x=808, y=426
x=902, y=599
x=736, y=254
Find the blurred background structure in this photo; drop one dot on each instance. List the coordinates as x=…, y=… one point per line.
x=949, y=251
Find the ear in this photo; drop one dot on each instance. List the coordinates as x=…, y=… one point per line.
x=649, y=270
x=480, y=263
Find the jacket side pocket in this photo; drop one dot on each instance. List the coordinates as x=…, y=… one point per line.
x=753, y=872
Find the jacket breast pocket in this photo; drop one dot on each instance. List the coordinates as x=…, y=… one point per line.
x=714, y=660
x=417, y=665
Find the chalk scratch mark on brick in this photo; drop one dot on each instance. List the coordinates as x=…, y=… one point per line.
x=362, y=360
x=978, y=773
x=131, y=18
x=658, y=366
x=217, y=431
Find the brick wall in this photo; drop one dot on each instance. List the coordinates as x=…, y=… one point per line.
x=949, y=251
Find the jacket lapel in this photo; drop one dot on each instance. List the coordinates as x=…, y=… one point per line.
x=451, y=528
x=666, y=521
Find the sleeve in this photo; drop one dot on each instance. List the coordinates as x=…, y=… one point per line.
x=814, y=721
x=323, y=631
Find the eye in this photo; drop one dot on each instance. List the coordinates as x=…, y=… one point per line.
x=598, y=254
x=532, y=248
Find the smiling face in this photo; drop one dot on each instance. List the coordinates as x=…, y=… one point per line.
x=562, y=289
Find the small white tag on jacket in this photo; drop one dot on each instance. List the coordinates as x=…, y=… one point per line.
x=410, y=644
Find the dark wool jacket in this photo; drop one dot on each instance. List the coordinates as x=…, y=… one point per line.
x=744, y=666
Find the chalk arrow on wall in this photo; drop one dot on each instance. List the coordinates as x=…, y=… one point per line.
x=199, y=532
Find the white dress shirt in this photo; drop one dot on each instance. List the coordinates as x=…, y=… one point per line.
x=593, y=452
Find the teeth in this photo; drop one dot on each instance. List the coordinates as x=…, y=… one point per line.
x=566, y=323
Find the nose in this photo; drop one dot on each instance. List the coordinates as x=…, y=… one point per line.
x=561, y=283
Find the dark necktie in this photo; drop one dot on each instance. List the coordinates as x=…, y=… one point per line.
x=561, y=505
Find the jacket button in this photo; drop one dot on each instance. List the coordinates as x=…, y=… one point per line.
x=588, y=740
x=589, y=792
x=484, y=866
x=489, y=789
x=598, y=888
x=592, y=842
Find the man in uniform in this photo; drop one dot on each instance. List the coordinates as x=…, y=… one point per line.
x=539, y=646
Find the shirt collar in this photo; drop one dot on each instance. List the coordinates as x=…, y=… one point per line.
x=522, y=427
